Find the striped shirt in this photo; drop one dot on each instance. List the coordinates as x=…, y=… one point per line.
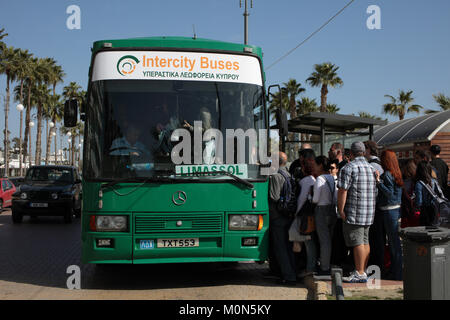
x=358, y=178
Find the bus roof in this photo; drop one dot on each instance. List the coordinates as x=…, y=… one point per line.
x=177, y=42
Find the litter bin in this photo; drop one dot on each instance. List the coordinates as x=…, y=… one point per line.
x=426, y=263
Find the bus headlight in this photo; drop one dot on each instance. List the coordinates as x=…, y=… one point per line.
x=109, y=223
x=243, y=222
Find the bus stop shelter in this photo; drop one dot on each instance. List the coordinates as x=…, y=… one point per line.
x=322, y=124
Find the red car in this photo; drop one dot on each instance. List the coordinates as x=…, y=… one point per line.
x=7, y=188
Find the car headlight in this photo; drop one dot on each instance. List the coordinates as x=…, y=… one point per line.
x=243, y=222
x=23, y=196
x=109, y=223
x=54, y=196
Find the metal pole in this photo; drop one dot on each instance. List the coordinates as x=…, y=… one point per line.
x=20, y=144
x=246, y=14
x=336, y=288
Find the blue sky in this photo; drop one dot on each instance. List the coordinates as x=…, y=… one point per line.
x=410, y=52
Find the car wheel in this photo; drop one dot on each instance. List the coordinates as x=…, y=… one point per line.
x=16, y=216
x=68, y=215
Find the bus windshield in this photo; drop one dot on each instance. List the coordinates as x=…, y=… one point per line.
x=129, y=123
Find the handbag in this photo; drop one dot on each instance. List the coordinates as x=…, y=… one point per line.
x=294, y=230
x=306, y=213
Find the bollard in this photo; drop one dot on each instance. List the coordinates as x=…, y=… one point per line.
x=336, y=283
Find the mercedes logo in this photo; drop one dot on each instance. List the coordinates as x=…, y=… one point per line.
x=179, y=198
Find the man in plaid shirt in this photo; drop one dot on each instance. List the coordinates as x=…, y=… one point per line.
x=356, y=204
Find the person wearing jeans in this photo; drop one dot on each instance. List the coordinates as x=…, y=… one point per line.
x=325, y=215
x=390, y=199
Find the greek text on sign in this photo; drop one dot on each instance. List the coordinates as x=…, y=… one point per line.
x=168, y=65
x=239, y=170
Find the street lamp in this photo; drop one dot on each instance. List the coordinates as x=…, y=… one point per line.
x=20, y=108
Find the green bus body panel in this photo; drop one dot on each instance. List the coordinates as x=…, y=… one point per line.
x=206, y=211
x=176, y=42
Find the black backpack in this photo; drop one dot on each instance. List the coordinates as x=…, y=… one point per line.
x=440, y=205
x=287, y=204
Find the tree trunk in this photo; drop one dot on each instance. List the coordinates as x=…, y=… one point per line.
x=21, y=128
x=73, y=150
x=323, y=98
x=56, y=148
x=49, y=142
x=6, y=142
x=292, y=109
x=37, y=160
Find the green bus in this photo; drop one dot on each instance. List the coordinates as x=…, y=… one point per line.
x=138, y=206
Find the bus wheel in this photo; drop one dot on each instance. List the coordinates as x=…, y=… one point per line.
x=16, y=216
x=1, y=205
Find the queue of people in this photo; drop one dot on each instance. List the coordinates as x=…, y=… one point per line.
x=358, y=205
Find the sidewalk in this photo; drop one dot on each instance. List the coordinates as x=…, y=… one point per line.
x=387, y=290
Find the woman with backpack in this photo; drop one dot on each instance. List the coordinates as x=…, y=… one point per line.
x=389, y=201
x=325, y=212
x=423, y=197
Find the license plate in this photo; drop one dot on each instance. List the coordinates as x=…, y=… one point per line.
x=39, y=205
x=147, y=244
x=177, y=243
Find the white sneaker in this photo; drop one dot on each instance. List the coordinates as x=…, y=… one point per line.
x=355, y=277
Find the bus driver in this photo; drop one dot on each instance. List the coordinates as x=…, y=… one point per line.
x=129, y=144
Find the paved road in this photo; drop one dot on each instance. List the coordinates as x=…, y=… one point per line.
x=34, y=257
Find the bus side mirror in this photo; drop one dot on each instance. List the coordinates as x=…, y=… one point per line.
x=70, y=113
x=282, y=122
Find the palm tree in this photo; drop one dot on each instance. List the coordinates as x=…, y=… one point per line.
x=2, y=35
x=292, y=89
x=22, y=66
x=363, y=114
x=275, y=102
x=42, y=96
x=72, y=91
x=443, y=102
x=325, y=75
x=332, y=108
x=307, y=105
x=401, y=105
x=55, y=76
x=54, y=112
x=34, y=75
x=8, y=57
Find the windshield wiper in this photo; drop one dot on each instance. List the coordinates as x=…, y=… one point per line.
x=112, y=182
x=225, y=173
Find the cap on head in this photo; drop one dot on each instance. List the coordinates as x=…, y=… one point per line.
x=358, y=147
